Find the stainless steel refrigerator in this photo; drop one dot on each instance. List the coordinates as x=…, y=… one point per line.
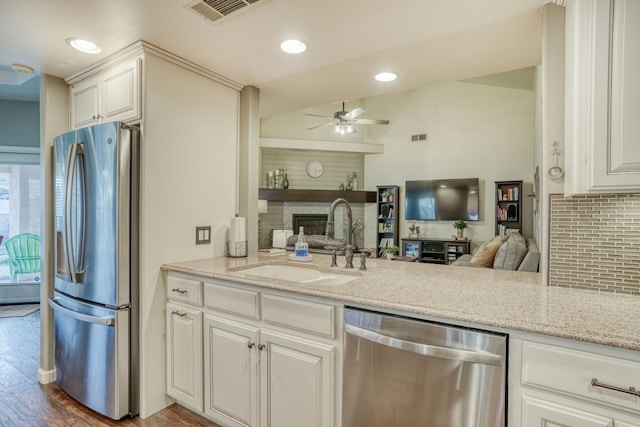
x=95, y=301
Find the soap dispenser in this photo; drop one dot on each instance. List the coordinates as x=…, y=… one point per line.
x=302, y=247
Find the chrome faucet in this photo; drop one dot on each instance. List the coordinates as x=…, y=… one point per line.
x=330, y=232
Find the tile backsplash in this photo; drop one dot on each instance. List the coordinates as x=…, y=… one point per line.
x=595, y=242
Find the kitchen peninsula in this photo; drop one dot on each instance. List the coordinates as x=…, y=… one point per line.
x=499, y=299
x=547, y=327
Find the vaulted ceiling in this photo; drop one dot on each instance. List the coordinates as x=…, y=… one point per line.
x=349, y=41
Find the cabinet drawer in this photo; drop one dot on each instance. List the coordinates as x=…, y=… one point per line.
x=185, y=290
x=302, y=315
x=231, y=300
x=571, y=371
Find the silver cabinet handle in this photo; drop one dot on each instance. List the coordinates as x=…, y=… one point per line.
x=179, y=313
x=250, y=344
x=96, y=117
x=631, y=390
x=261, y=347
x=425, y=349
x=180, y=291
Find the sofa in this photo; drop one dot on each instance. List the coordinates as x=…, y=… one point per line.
x=508, y=252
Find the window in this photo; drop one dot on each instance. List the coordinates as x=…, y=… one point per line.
x=20, y=207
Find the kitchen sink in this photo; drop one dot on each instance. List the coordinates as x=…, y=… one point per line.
x=298, y=274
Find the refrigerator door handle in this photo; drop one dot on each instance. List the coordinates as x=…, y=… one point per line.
x=106, y=320
x=76, y=274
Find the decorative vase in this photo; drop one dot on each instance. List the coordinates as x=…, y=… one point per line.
x=285, y=182
x=391, y=198
x=460, y=233
x=348, y=187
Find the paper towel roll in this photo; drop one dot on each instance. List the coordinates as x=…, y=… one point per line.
x=237, y=234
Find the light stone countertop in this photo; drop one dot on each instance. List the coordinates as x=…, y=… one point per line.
x=502, y=299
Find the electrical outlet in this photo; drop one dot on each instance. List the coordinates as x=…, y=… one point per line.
x=203, y=235
x=419, y=137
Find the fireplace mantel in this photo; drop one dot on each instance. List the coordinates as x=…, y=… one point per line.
x=289, y=195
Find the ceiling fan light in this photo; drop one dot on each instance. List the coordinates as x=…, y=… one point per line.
x=293, y=46
x=85, y=46
x=386, y=76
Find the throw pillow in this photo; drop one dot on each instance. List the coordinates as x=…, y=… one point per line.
x=511, y=253
x=487, y=252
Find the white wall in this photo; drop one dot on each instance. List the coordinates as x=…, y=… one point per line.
x=473, y=130
x=188, y=178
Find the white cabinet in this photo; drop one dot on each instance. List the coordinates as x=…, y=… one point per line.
x=231, y=369
x=113, y=94
x=551, y=386
x=296, y=380
x=184, y=355
x=85, y=105
x=246, y=368
x=262, y=360
x=602, y=96
x=539, y=413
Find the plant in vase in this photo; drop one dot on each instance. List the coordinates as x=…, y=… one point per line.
x=384, y=195
x=460, y=225
x=412, y=229
x=389, y=251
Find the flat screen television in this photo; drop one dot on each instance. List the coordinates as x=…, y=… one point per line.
x=442, y=200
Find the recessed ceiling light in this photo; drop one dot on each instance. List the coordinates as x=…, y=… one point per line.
x=386, y=77
x=22, y=68
x=85, y=46
x=293, y=46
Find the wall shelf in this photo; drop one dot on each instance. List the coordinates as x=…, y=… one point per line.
x=289, y=195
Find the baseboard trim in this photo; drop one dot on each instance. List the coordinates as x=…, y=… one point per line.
x=46, y=377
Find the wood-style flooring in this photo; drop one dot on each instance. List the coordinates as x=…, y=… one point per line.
x=25, y=402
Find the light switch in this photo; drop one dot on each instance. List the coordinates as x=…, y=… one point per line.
x=203, y=235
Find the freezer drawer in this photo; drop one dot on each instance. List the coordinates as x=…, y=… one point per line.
x=92, y=355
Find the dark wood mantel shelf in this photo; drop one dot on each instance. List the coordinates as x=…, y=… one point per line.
x=289, y=195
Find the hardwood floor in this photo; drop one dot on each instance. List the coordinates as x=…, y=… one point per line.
x=25, y=402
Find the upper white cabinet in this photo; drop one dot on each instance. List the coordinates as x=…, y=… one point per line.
x=602, y=96
x=113, y=94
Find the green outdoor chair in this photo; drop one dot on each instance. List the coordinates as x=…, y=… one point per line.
x=24, y=254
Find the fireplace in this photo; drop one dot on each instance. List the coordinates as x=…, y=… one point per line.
x=312, y=223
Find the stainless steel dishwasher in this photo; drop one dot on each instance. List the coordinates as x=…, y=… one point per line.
x=400, y=372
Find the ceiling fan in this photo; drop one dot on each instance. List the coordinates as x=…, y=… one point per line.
x=344, y=121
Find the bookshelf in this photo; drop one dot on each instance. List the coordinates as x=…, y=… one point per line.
x=508, y=206
x=388, y=214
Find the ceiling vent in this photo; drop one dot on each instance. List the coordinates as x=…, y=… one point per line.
x=217, y=9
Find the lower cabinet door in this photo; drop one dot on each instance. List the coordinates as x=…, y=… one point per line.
x=184, y=355
x=539, y=413
x=296, y=381
x=231, y=372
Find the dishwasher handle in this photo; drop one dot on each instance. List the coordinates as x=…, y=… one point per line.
x=425, y=349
